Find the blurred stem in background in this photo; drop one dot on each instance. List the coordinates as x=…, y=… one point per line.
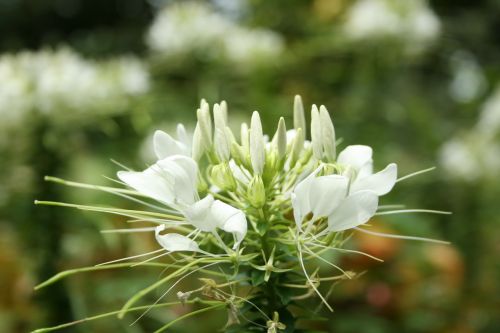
x=43, y=239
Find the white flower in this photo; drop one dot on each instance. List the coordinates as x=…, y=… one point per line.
x=409, y=21
x=208, y=215
x=358, y=159
x=173, y=242
x=173, y=181
x=193, y=27
x=327, y=196
x=165, y=145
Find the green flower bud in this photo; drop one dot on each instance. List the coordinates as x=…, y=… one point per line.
x=222, y=177
x=199, y=146
x=297, y=147
x=256, y=192
x=245, y=138
x=205, y=123
x=316, y=140
x=327, y=134
x=299, y=118
x=257, y=150
x=280, y=139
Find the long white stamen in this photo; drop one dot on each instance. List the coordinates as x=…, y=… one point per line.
x=150, y=259
x=128, y=258
x=423, y=239
x=326, y=261
x=130, y=230
x=301, y=260
x=405, y=211
x=348, y=251
x=171, y=287
x=415, y=174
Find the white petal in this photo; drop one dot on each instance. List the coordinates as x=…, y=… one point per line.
x=300, y=198
x=151, y=182
x=356, y=156
x=230, y=219
x=199, y=214
x=354, y=210
x=298, y=214
x=165, y=146
x=381, y=182
x=182, y=136
x=183, y=172
x=326, y=193
x=174, y=242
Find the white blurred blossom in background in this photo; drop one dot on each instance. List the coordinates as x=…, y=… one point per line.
x=190, y=27
x=475, y=155
x=60, y=85
x=411, y=22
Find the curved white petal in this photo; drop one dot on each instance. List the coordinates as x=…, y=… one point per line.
x=173, y=242
x=230, y=219
x=199, y=214
x=183, y=137
x=354, y=210
x=165, y=146
x=183, y=174
x=356, y=156
x=151, y=182
x=381, y=182
x=326, y=193
x=300, y=197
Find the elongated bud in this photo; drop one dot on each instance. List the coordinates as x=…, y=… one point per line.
x=222, y=176
x=199, y=147
x=299, y=118
x=297, y=146
x=219, y=119
x=223, y=107
x=256, y=192
x=222, y=145
x=327, y=134
x=245, y=138
x=205, y=123
x=316, y=140
x=257, y=150
x=281, y=138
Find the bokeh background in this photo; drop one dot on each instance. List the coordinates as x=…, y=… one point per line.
x=84, y=82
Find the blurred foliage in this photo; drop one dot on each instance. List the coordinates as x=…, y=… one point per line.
x=402, y=103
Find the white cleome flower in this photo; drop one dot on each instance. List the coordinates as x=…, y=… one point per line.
x=359, y=165
x=173, y=182
x=327, y=196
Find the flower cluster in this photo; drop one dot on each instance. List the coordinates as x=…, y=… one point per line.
x=264, y=209
x=191, y=27
x=60, y=84
x=411, y=22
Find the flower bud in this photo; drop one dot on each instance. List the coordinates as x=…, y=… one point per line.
x=221, y=145
x=256, y=192
x=245, y=139
x=222, y=176
x=316, y=140
x=327, y=134
x=280, y=139
x=203, y=115
x=223, y=108
x=297, y=147
x=199, y=146
x=257, y=150
x=299, y=118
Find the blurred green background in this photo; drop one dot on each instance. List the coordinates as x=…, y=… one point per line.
x=83, y=82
